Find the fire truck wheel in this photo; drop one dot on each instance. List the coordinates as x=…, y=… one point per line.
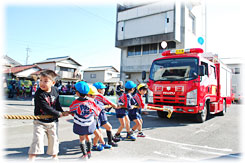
x=162, y=114
x=201, y=117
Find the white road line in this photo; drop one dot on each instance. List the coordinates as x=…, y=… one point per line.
x=190, y=145
x=198, y=131
x=154, y=116
x=173, y=156
x=205, y=152
x=168, y=155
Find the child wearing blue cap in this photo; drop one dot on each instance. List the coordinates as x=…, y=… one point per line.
x=125, y=103
x=134, y=114
x=98, y=135
x=84, y=111
x=102, y=116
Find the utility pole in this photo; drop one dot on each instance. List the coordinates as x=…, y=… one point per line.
x=27, y=54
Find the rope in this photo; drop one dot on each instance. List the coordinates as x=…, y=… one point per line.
x=152, y=108
x=27, y=116
x=50, y=116
x=161, y=109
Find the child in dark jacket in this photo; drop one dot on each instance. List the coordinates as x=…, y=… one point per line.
x=46, y=103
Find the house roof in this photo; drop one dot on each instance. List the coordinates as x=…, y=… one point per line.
x=100, y=68
x=58, y=59
x=11, y=61
x=17, y=69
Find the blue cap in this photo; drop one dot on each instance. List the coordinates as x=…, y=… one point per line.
x=99, y=85
x=82, y=87
x=130, y=84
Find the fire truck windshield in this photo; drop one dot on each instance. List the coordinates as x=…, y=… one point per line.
x=174, y=69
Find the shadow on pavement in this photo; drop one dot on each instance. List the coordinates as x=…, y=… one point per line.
x=152, y=120
x=229, y=157
x=66, y=148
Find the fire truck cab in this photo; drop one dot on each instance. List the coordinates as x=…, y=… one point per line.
x=188, y=81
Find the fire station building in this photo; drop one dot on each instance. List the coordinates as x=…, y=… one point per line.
x=141, y=28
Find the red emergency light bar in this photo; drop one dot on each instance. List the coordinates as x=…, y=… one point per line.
x=182, y=51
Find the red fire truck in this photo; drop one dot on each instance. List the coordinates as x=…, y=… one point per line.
x=189, y=81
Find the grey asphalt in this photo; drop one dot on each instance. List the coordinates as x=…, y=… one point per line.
x=175, y=139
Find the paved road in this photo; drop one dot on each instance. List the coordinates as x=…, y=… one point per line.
x=175, y=139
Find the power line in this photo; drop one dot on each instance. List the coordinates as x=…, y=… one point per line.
x=96, y=15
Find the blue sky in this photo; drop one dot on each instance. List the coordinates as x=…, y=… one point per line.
x=86, y=32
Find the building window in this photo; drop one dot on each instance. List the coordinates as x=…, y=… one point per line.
x=146, y=49
x=138, y=50
x=109, y=74
x=128, y=76
x=193, y=23
x=153, y=48
x=92, y=75
x=131, y=51
x=134, y=50
x=67, y=69
x=63, y=69
x=237, y=70
x=149, y=49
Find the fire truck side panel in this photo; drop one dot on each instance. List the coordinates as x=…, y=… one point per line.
x=225, y=86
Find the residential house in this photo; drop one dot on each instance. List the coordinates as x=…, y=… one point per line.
x=23, y=71
x=10, y=62
x=104, y=74
x=66, y=67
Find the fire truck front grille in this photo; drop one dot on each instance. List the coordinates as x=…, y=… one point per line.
x=168, y=95
x=178, y=100
x=171, y=104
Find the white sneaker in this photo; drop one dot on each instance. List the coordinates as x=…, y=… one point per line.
x=141, y=134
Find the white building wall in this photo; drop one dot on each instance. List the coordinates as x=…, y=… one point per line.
x=146, y=21
x=27, y=72
x=145, y=10
x=108, y=74
x=191, y=39
x=100, y=76
x=143, y=26
x=50, y=66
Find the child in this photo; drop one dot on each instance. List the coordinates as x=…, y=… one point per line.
x=125, y=103
x=84, y=111
x=133, y=114
x=98, y=135
x=102, y=117
x=46, y=103
x=23, y=90
x=34, y=89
